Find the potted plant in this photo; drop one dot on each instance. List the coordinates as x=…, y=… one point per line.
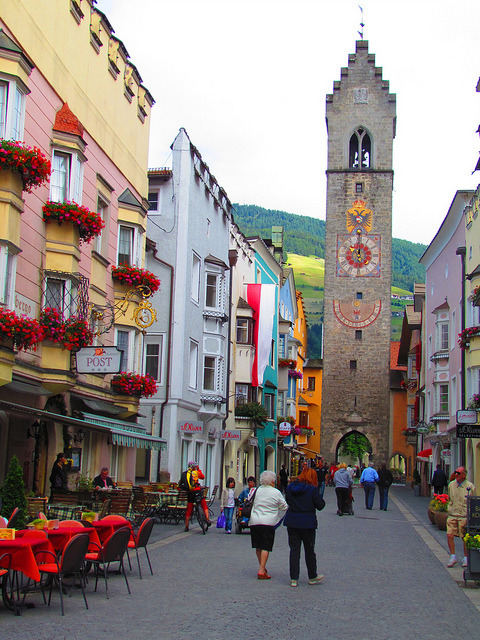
x=89, y=516
x=13, y=493
x=89, y=223
x=39, y=523
x=133, y=384
x=472, y=542
x=29, y=162
x=439, y=503
x=253, y=410
x=23, y=333
x=73, y=333
x=136, y=277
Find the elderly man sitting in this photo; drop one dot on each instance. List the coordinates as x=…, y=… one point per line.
x=103, y=481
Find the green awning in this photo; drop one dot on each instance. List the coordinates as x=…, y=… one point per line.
x=127, y=434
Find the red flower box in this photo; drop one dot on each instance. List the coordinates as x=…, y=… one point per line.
x=136, y=277
x=89, y=223
x=133, y=384
x=74, y=333
x=24, y=332
x=30, y=162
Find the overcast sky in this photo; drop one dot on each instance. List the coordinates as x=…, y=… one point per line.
x=248, y=81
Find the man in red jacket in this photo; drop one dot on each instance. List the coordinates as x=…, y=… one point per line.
x=193, y=476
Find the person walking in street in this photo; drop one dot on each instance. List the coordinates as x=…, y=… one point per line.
x=268, y=509
x=343, y=485
x=283, y=479
x=247, y=494
x=367, y=480
x=303, y=499
x=439, y=480
x=458, y=491
x=322, y=472
x=227, y=503
x=384, y=483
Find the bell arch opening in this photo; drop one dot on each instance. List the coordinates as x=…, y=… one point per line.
x=360, y=150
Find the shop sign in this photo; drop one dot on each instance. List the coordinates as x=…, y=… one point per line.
x=468, y=430
x=467, y=416
x=191, y=427
x=284, y=429
x=445, y=453
x=253, y=442
x=99, y=360
x=231, y=434
x=423, y=429
x=25, y=307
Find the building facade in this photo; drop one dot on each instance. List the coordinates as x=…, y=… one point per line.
x=361, y=118
x=189, y=222
x=80, y=101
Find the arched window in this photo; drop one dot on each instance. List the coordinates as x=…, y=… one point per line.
x=360, y=150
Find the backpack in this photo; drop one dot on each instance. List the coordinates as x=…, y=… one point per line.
x=248, y=506
x=184, y=484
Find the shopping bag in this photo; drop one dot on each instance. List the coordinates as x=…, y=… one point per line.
x=221, y=521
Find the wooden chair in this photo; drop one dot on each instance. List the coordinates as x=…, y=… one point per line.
x=35, y=506
x=67, y=497
x=120, y=501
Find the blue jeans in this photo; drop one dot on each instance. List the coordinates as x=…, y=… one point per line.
x=369, y=488
x=383, y=491
x=321, y=488
x=228, y=511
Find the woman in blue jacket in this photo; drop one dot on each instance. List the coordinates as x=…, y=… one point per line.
x=303, y=499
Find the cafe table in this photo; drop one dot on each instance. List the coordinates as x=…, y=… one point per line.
x=106, y=527
x=23, y=558
x=61, y=537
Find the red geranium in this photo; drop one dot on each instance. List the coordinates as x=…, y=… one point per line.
x=89, y=223
x=74, y=333
x=136, y=277
x=29, y=162
x=25, y=332
x=133, y=384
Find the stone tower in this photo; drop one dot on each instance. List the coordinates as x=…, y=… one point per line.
x=361, y=116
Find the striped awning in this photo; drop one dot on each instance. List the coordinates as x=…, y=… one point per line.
x=127, y=434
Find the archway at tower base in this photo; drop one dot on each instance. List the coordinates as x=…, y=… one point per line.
x=354, y=449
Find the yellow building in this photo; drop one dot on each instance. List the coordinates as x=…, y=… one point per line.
x=68, y=88
x=310, y=401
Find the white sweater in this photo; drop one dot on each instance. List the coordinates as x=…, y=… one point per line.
x=269, y=506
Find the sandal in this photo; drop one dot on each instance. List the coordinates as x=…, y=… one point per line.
x=264, y=576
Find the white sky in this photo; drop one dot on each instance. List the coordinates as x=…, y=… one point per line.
x=248, y=81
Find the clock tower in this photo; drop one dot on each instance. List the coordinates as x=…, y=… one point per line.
x=361, y=116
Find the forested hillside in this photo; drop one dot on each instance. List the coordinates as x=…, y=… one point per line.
x=305, y=236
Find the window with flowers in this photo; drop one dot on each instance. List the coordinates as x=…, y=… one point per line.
x=8, y=270
x=66, y=183
x=12, y=108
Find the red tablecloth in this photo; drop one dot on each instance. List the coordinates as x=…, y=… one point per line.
x=23, y=558
x=61, y=537
x=105, y=528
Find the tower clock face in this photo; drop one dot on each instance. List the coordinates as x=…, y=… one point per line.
x=358, y=255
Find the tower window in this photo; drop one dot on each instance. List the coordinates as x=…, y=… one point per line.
x=353, y=365
x=359, y=187
x=358, y=334
x=359, y=295
x=360, y=150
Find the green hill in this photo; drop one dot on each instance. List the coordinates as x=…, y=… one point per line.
x=304, y=246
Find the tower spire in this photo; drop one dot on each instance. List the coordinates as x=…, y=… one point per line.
x=362, y=24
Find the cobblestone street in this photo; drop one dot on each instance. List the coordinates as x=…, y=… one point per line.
x=385, y=578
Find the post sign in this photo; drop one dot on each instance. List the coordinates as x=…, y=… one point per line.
x=284, y=429
x=468, y=430
x=423, y=429
x=190, y=427
x=230, y=434
x=99, y=360
x=467, y=416
x=445, y=453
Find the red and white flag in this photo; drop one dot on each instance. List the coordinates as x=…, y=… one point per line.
x=261, y=297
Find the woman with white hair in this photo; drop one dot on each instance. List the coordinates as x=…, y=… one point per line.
x=268, y=509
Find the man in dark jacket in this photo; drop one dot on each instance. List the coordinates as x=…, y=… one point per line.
x=322, y=472
x=303, y=499
x=439, y=480
x=385, y=479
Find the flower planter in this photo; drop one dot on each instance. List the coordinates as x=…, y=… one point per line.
x=431, y=515
x=441, y=520
x=473, y=559
x=70, y=214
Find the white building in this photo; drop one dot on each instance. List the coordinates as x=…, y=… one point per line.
x=187, y=346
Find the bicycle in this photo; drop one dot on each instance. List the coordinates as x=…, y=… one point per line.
x=199, y=513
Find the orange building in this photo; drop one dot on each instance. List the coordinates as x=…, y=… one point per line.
x=310, y=403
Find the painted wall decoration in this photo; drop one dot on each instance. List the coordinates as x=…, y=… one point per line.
x=359, y=216
x=356, y=313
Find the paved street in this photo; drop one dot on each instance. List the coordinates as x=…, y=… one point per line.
x=385, y=579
